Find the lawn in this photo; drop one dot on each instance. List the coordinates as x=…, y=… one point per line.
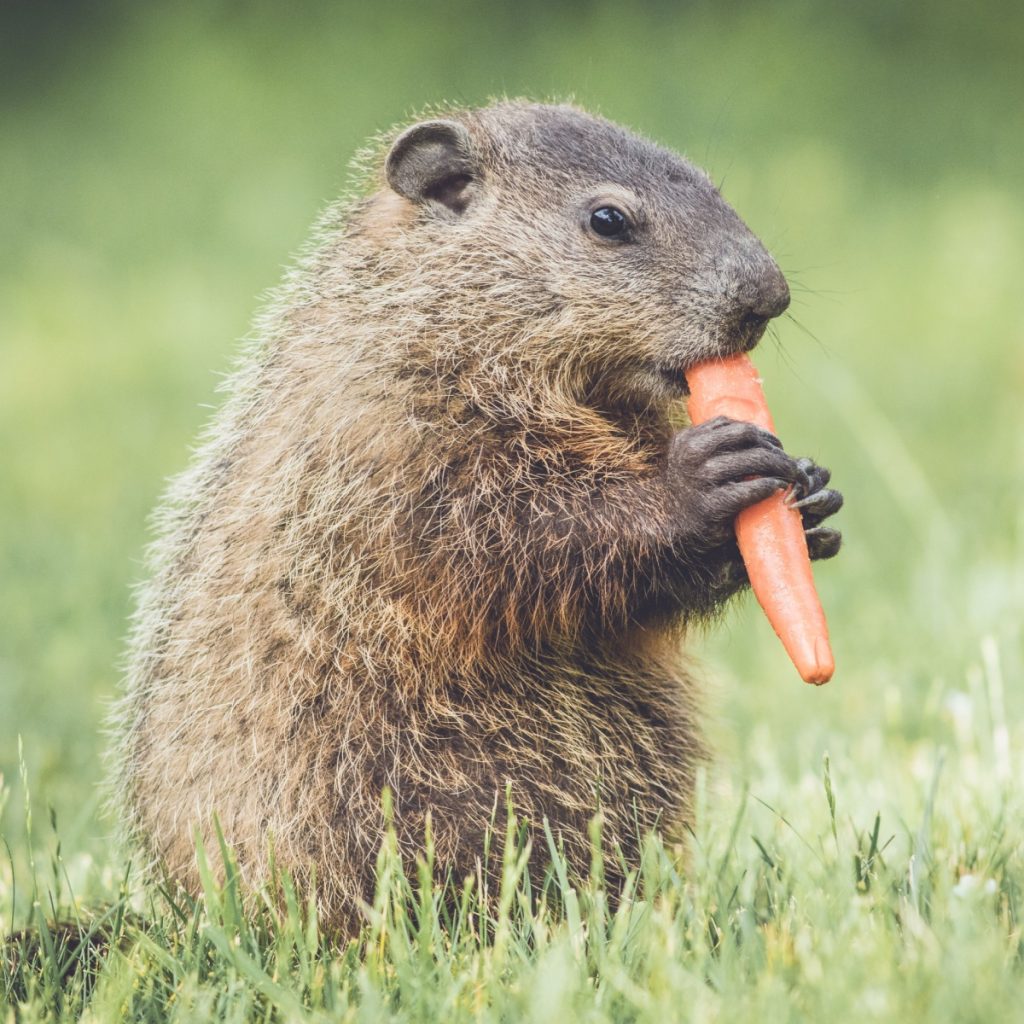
x=858, y=851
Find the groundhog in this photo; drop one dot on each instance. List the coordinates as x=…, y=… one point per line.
x=447, y=532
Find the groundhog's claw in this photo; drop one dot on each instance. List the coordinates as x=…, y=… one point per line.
x=817, y=475
x=816, y=501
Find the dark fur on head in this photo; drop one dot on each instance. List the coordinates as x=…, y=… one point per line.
x=446, y=533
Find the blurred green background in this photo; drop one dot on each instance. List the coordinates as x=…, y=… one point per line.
x=158, y=163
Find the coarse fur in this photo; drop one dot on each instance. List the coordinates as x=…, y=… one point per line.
x=447, y=532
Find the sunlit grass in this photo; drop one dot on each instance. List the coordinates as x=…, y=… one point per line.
x=840, y=898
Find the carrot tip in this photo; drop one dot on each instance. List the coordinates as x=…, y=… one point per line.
x=821, y=669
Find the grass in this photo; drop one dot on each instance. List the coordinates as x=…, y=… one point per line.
x=818, y=913
x=157, y=166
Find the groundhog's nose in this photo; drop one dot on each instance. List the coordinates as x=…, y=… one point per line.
x=772, y=305
x=765, y=297
x=769, y=296
x=762, y=295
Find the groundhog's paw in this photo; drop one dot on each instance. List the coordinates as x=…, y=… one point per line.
x=823, y=542
x=816, y=500
x=719, y=468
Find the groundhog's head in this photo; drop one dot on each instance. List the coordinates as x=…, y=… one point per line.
x=544, y=235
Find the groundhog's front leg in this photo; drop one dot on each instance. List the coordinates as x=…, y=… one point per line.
x=816, y=502
x=585, y=556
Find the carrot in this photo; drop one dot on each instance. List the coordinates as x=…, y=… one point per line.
x=770, y=534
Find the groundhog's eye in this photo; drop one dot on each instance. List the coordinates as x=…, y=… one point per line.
x=609, y=221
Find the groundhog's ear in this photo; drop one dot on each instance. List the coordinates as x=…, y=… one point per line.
x=433, y=162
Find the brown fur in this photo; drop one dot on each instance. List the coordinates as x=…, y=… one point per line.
x=425, y=544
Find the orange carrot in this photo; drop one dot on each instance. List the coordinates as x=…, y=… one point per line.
x=770, y=534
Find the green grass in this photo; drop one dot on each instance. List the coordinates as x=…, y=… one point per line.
x=156, y=169
x=823, y=912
